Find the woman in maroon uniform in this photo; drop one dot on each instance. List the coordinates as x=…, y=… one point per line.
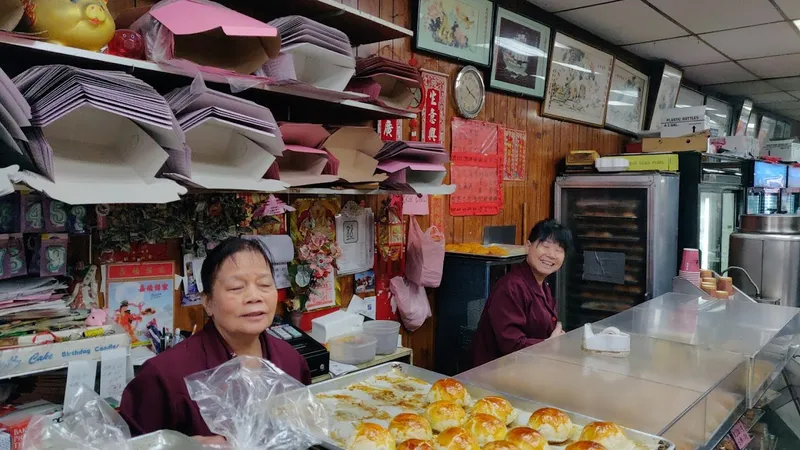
x=521, y=311
x=240, y=298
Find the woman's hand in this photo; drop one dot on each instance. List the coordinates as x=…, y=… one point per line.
x=557, y=332
x=211, y=440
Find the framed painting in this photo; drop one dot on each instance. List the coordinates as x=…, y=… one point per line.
x=519, y=55
x=627, y=98
x=457, y=29
x=668, y=89
x=577, y=82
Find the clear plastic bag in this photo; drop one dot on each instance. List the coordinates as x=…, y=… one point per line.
x=255, y=405
x=87, y=423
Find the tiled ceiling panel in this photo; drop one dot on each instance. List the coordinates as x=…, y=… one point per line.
x=756, y=42
x=774, y=66
x=786, y=84
x=561, y=5
x=702, y=16
x=725, y=72
x=785, y=106
x=744, y=89
x=790, y=7
x=624, y=22
x=771, y=97
x=684, y=51
x=795, y=94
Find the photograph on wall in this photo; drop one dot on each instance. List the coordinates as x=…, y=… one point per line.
x=578, y=82
x=627, y=98
x=519, y=60
x=668, y=89
x=459, y=29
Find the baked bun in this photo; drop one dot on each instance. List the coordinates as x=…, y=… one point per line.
x=415, y=444
x=585, y=445
x=607, y=433
x=527, y=439
x=496, y=406
x=443, y=415
x=449, y=389
x=410, y=426
x=551, y=423
x=369, y=436
x=486, y=428
x=501, y=445
x=455, y=438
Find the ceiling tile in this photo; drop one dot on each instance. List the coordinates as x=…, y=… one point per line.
x=624, y=22
x=743, y=89
x=714, y=15
x=795, y=94
x=784, y=106
x=771, y=97
x=774, y=66
x=790, y=7
x=683, y=51
x=725, y=72
x=756, y=42
x=786, y=84
x=561, y=5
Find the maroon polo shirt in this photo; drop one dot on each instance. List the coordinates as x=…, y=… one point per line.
x=519, y=313
x=157, y=398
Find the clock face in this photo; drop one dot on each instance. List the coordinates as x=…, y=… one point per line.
x=469, y=92
x=417, y=98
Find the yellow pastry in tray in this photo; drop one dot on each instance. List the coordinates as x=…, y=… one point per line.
x=527, y=439
x=410, y=426
x=553, y=424
x=443, y=415
x=455, y=438
x=449, y=389
x=486, y=428
x=585, y=445
x=501, y=445
x=415, y=444
x=496, y=406
x=370, y=436
x=607, y=433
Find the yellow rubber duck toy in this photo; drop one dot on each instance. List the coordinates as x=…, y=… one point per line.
x=85, y=24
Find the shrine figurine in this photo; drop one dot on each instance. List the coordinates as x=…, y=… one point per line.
x=85, y=24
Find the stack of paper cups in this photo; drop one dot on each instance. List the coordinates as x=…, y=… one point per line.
x=690, y=266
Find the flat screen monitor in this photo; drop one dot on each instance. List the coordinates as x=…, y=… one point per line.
x=768, y=175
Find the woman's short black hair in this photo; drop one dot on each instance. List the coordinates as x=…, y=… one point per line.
x=550, y=230
x=224, y=250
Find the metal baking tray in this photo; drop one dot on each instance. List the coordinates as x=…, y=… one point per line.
x=650, y=441
x=514, y=251
x=164, y=440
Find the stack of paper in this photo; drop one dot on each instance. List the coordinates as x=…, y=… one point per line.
x=420, y=165
x=231, y=142
x=15, y=113
x=387, y=82
x=304, y=163
x=97, y=136
x=356, y=148
x=32, y=298
x=312, y=53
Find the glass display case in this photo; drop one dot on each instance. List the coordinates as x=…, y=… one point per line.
x=694, y=367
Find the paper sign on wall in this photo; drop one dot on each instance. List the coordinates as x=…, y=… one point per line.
x=414, y=205
x=515, y=142
x=433, y=110
x=113, y=374
x=80, y=373
x=476, y=168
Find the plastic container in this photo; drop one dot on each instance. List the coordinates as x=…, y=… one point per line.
x=353, y=348
x=386, y=332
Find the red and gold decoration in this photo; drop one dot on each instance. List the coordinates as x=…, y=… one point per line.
x=515, y=143
x=85, y=24
x=476, y=168
x=433, y=107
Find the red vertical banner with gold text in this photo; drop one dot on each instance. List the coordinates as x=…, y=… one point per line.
x=390, y=130
x=434, y=86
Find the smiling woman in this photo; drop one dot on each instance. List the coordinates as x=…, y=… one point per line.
x=240, y=299
x=521, y=311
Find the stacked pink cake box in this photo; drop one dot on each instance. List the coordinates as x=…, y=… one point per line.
x=690, y=266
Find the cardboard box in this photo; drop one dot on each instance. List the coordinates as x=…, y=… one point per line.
x=15, y=420
x=677, y=122
x=664, y=163
x=696, y=143
x=743, y=146
x=319, y=66
x=19, y=361
x=418, y=175
x=786, y=150
x=356, y=148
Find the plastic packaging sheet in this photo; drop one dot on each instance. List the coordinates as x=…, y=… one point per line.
x=87, y=423
x=255, y=405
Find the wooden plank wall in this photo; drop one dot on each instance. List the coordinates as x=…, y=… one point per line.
x=549, y=141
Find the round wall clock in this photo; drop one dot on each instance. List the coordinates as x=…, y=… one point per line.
x=469, y=92
x=417, y=98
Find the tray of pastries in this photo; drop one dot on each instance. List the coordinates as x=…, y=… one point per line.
x=398, y=406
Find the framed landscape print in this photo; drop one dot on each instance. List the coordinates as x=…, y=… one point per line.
x=577, y=82
x=519, y=59
x=627, y=98
x=459, y=29
x=668, y=88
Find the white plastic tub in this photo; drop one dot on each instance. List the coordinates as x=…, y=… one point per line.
x=353, y=348
x=386, y=332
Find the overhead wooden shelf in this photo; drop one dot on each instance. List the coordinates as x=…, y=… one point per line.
x=360, y=27
x=287, y=102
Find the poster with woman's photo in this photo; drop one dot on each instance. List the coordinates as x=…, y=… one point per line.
x=519, y=62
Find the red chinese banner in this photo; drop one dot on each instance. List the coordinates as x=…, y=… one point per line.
x=476, y=168
x=436, y=206
x=434, y=86
x=515, y=143
x=390, y=130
